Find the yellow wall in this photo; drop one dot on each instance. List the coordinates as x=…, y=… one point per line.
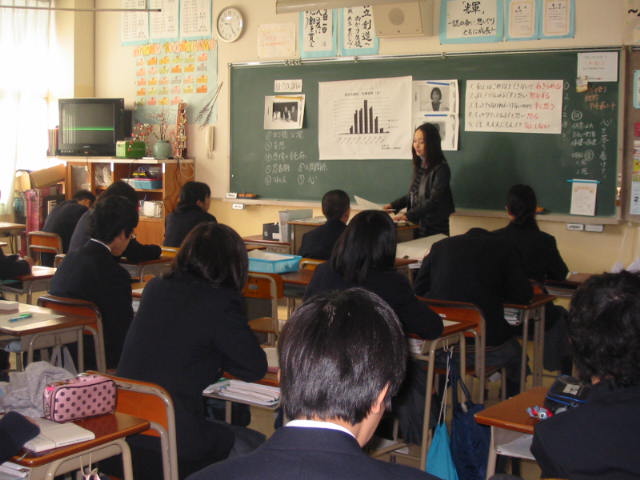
x=595, y=26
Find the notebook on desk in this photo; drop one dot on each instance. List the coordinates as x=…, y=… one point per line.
x=54, y=435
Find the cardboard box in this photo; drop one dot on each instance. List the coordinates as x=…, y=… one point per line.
x=47, y=176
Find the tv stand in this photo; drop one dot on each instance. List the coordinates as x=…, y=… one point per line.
x=97, y=173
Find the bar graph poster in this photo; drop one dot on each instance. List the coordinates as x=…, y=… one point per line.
x=365, y=119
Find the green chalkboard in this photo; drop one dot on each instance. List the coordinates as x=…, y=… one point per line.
x=284, y=165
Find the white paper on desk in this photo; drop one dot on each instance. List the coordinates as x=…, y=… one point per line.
x=366, y=204
x=245, y=391
x=36, y=317
x=418, y=248
x=54, y=435
x=583, y=197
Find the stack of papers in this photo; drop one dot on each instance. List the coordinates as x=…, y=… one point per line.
x=54, y=435
x=512, y=316
x=245, y=392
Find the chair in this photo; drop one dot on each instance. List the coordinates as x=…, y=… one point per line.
x=454, y=310
x=295, y=292
x=169, y=251
x=39, y=242
x=269, y=287
x=153, y=403
x=83, y=308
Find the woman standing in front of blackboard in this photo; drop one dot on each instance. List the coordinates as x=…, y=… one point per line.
x=429, y=202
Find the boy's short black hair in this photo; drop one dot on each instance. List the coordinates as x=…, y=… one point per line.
x=111, y=215
x=604, y=328
x=335, y=203
x=337, y=352
x=191, y=192
x=123, y=189
x=214, y=253
x=84, y=195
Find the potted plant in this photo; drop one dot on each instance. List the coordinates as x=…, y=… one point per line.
x=162, y=147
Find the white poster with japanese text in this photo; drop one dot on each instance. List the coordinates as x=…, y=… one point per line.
x=515, y=106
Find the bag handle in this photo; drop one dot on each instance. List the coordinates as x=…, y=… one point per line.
x=456, y=379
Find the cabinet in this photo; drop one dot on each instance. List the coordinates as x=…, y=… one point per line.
x=97, y=173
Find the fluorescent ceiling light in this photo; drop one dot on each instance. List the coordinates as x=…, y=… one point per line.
x=287, y=6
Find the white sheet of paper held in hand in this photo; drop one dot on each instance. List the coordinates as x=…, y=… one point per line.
x=366, y=204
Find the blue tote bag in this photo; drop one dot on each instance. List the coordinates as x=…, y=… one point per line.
x=439, y=460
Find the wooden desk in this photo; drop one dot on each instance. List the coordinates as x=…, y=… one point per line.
x=566, y=288
x=533, y=311
x=508, y=421
x=110, y=431
x=275, y=246
x=38, y=280
x=454, y=332
x=149, y=267
x=45, y=329
x=404, y=231
x=13, y=231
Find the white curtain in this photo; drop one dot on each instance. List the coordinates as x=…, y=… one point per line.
x=26, y=75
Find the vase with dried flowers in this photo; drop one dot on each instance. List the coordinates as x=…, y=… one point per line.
x=141, y=133
x=162, y=147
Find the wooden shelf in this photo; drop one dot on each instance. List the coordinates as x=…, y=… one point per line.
x=175, y=173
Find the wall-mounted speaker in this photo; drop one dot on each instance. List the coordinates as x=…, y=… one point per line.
x=403, y=19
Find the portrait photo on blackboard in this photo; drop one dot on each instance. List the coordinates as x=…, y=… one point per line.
x=434, y=98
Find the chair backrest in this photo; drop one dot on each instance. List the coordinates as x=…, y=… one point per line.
x=310, y=263
x=169, y=251
x=153, y=403
x=83, y=308
x=269, y=287
x=43, y=242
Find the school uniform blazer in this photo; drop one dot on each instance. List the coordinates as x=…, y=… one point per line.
x=63, y=219
x=393, y=287
x=181, y=221
x=477, y=267
x=319, y=242
x=538, y=252
x=135, y=252
x=11, y=266
x=310, y=454
x=92, y=273
x=433, y=204
x=185, y=334
x=598, y=440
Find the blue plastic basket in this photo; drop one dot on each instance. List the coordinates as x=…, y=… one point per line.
x=278, y=263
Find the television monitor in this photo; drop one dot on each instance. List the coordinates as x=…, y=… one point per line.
x=91, y=126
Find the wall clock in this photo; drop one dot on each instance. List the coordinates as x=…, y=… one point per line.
x=230, y=24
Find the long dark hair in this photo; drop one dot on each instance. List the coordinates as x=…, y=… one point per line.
x=521, y=204
x=367, y=244
x=434, y=147
x=214, y=253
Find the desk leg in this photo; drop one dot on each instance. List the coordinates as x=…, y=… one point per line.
x=228, y=411
x=491, y=461
x=538, y=338
x=523, y=360
x=426, y=441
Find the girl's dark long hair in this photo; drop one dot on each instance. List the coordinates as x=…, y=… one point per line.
x=434, y=147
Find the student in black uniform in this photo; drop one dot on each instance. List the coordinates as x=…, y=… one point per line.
x=192, y=209
x=63, y=219
x=135, y=252
x=599, y=440
x=190, y=327
x=319, y=242
x=93, y=272
x=541, y=261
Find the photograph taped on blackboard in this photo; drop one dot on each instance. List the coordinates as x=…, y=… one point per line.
x=283, y=112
